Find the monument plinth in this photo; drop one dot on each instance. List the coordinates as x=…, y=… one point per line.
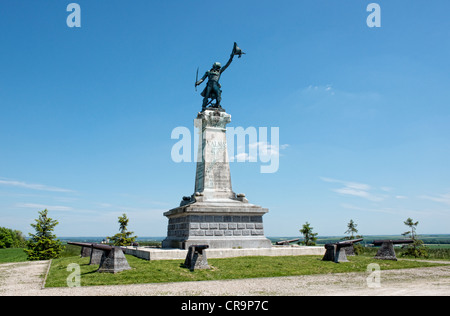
x=214, y=215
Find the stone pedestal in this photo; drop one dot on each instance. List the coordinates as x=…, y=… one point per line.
x=96, y=256
x=335, y=253
x=85, y=252
x=386, y=251
x=196, y=258
x=113, y=261
x=214, y=215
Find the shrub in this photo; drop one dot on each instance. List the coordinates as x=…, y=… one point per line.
x=123, y=238
x=11, y=238
x=43, y=245
x=5, y=238
x=417, y=249
x=309, y=238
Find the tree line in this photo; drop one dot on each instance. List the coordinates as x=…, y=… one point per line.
x=43, y=243
x=416, y=249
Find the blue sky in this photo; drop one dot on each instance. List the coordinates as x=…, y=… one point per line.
x=86, y=114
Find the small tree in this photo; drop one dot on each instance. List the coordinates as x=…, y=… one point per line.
x=124, y=237
x=412, y=226
x=417, y=248
x=351, y=229
x=43, y=245
x=309, y=238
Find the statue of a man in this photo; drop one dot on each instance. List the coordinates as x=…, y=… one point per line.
x=212, y=90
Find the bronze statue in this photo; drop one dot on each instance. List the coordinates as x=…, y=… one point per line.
x=212, y=90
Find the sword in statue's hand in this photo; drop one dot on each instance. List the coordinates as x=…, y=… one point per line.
x=196, y=79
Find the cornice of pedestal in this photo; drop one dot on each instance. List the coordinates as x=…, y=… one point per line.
x=212, y=118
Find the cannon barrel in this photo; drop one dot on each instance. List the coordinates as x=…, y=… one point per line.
x=352, y=241
x=345, y=243
x=200, y=247
x=394, y=242
x=81, y=244
x=286, y=242
x=95, y=246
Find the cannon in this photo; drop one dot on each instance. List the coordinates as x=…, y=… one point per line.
x=88, y=250
x=394, y=242
x=336, y=251
x=286, y=242
x=196, y=258
x=386, y=251
x=85, y=248
x=109, y=258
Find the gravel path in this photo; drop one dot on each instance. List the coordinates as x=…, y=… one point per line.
x=26, y=278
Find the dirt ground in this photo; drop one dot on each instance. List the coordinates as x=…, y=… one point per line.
x=26, y=278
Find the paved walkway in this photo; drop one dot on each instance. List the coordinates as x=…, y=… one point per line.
x=26, y=278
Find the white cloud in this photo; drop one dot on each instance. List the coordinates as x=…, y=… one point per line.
x=361, y=190
x=263, y=149
x=352, y=185
x=365, y=209
x=241, y=157
x=359, y=193
x=326, y=90
x=32, y=186
x=387, y=210
x=440, y=198
x=44, y=206
x=267, y=149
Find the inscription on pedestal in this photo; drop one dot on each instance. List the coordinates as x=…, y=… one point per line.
x=213, y=170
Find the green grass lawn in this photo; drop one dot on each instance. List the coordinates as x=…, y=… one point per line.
x=12, y=255
x=144, y=271
x=438, y=246
x=19, y=255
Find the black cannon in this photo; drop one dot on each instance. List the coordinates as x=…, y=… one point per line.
x=86, y=248
x=196, y=257
x=336, y=251
x=394, y=242
x=286, y=242
x=109, y=258
x=386, y=251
